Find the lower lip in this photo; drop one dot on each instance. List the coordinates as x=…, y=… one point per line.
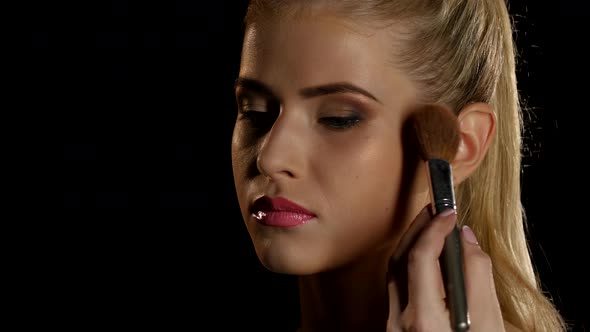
x=282, y=218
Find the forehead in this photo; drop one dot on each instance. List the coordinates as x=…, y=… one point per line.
x=315, y=49
x=312, y=36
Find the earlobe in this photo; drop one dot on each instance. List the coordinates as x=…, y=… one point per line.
x=477, y=125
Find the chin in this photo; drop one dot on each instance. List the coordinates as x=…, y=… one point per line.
x=285, y=262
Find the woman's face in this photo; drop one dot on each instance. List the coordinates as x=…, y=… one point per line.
x=320, y=115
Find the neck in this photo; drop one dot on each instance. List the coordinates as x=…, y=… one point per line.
x=350, y=298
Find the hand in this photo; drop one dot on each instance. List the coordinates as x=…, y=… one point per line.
x=416, y=291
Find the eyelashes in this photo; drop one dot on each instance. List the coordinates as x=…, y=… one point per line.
x=257, y=119
x=262, y=120
x=340, y=122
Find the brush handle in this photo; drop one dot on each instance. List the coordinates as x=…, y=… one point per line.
x=451, y=264
x=451, y=259
x=441, y=184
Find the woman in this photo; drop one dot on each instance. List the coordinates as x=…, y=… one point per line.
x=325, y=179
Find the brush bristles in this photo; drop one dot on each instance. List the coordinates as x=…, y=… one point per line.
x=437, y=132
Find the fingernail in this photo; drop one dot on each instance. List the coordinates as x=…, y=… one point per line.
x=447, y=212
x=468, y=235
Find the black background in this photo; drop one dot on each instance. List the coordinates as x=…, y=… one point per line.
x=117, y=128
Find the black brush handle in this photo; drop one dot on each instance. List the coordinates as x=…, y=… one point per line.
x=451, y=264
x=451, y=259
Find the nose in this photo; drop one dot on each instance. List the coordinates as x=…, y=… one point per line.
x=282, y=152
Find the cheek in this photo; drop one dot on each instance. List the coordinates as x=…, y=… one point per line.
x=361, y=163
x=362, y=178
x=243, y=151
x=370, y=190
x=243, y=159
x=359, y=196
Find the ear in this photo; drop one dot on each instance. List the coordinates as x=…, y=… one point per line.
x=477, y=126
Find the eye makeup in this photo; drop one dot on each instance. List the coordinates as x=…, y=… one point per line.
x=340, y=122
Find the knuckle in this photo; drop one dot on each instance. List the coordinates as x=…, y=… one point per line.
x=407, y=321
x=425, y=247
x=411, y=321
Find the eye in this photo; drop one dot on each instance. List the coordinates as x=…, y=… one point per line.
x=340, y=122
x=256, y=116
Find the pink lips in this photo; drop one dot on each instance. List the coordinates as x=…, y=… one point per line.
x=279, y=212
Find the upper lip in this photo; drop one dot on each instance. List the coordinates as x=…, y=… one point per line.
x=267, y=204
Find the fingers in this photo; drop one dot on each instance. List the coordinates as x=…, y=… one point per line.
x=424, y=277
x=416, y=271
x=417, y=297
x=484, y=308
x=397, y=286
x=398, y=290
x=412, y=233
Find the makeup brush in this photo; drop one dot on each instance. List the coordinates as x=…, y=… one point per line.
x=437, y=133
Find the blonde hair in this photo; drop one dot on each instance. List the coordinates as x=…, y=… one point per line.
x=459, y=52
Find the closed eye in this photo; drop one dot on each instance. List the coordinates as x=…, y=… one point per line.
x=259, y=120
x=339, y=123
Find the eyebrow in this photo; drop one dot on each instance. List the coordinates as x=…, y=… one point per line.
x=310, y=92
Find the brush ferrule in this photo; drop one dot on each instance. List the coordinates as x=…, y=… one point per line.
x=441, y=185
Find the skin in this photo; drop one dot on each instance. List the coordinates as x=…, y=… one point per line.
x=343, y=157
